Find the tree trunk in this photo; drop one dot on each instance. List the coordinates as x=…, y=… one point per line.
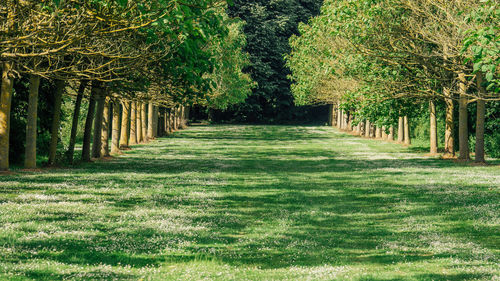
x=344, y=120
x=169, y=120
x=433, y=128
x=105, y=129
x=99, y=116
x=167, y=124
x=401, y=133
x=138, y=117
x=144, y=122
x=160, y=122
x=172, y=119
x=56, y=122
x=175, y=119
x=166, y=116
x=87, y=134
x=74, y=126
x=463, y=130
x=407, y=131
x=367, y=128
x=5, y=106
x=481, y=109
x=378, y=132
x=339, y=118
x=391, y=134
x=151, y=123
x=449, y=141
x=384, y=133
x=156, y=120
x=133, y=123
x=115, y=135
x=181, y=117
x=349, y=119
x=31, y=124
x=6, y=97
x=125, y=124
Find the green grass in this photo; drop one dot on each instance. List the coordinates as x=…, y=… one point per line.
x=254, y=203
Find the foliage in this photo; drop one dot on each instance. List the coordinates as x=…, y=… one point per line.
x=229, y=84
x=483, y=41
x=268, y=26
x=164, y=52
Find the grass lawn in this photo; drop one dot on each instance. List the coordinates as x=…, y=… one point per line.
x=254, y=203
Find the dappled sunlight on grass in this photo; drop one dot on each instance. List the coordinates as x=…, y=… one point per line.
x=254, y=202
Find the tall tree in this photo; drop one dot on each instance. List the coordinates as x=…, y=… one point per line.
x=269, y=25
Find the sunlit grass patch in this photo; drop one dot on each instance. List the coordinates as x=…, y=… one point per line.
x=254, y=203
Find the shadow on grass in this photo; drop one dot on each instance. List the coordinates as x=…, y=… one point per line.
x=271, y=207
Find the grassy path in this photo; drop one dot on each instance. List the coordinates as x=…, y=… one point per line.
x=249, y=202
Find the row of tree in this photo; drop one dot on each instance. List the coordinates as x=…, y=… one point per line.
x=141, y=56
x=381, y=60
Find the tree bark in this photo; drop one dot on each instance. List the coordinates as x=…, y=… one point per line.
x=31, y=124
x=56, y=122
x=144, y=121
x=391, y=134
x=133, y=123
x=160, y=122
x=125, y=125
x=167, y=120
x=115, y=135
x=344, y=121
x=156, y=120
x=138, y=117
x=384, y=133
x=339, y=117
x=105, y=129
x=349, y=119
x=481, y=110
x=378, y=132
x=5, y=107
x=367, y=128
x=99, y=116
x=167, y=124
x=401, y=133
x=181, y=117
x=449, y=141
x=74, y=126
x=172, y=119
x=151, y=123
x=87, y=134
x=175, y=118
x=433, y=128
x=463, y=130
x=407, y=131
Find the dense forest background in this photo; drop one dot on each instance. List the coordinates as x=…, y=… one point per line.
x=269, y=25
